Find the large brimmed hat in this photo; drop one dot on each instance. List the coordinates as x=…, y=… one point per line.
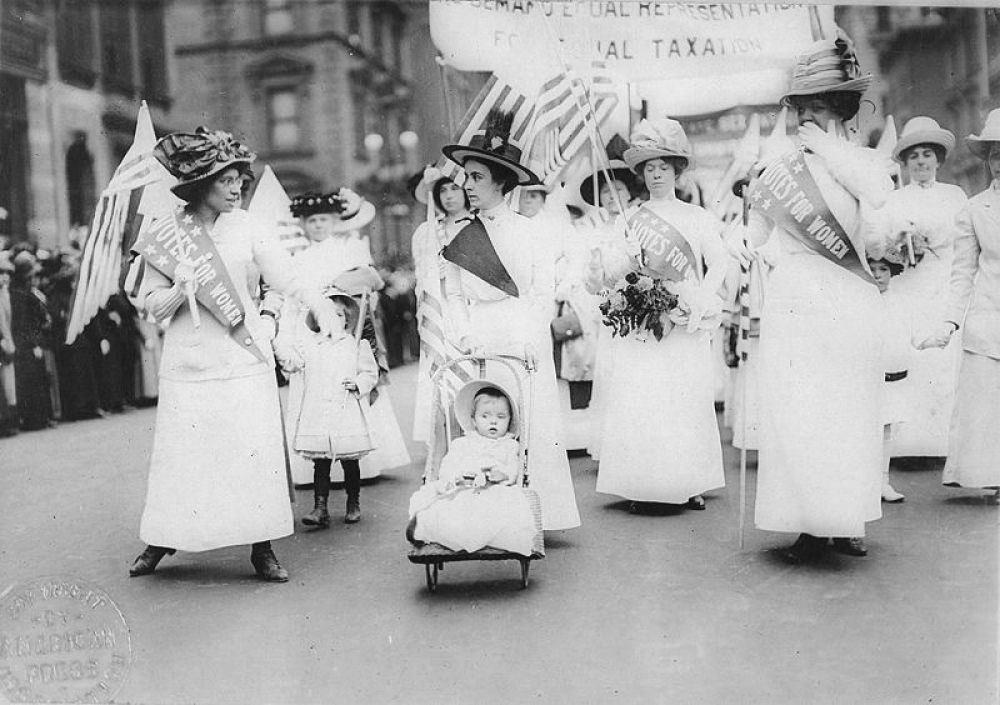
x=493, y=145
x=198, y=156
x=654, y=139
x=923, y=130
x=828, y=66
x=352, y=216
x=466, y=397
x=980, y=144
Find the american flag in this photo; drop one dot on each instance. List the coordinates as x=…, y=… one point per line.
x=119, y=217
x=494, y=94
x=565, y=117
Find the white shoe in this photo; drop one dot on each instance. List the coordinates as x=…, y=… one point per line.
x=890, y=495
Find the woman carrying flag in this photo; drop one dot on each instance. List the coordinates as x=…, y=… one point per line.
x=217, y=474
x=820, y=350
x=500, y=291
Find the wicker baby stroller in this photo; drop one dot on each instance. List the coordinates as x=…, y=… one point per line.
x=433, y=556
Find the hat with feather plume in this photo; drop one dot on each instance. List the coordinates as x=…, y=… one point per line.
x=492, y=144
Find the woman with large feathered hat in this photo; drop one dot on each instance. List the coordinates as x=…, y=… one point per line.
x=217, y=473
x=820, y=364
x=500, y=291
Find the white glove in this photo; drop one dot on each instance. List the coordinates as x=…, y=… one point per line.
x=739, y=246
x=184, y=277
x=819, y=141
x=939, y=337
x=38, y=353
x=431, y=175
x=268, y=328
x=352, y=201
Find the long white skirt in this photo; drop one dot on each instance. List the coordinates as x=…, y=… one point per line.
x=821, y=385
x=217, y=474
x=603, y=372
x=661, y=438
x=499, y=325
x=974, y=452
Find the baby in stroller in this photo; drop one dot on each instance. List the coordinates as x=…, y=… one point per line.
x=477, y=501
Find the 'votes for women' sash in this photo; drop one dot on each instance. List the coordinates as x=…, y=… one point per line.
x=664, y=250
x=787, y=193
x=176, y=237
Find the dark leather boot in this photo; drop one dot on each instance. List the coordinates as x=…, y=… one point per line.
x=806, y=549
x=352, y=483
x=319, y=516
x=266, y=563
x=854, y=546
x=147, y=560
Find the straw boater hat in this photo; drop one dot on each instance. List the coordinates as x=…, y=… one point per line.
x=653, y=139
x=923, y=130
x=980, y=144
x=493, y=145
x=829, y=65
x=467, y=396
x=352, y=216
x=196, y=157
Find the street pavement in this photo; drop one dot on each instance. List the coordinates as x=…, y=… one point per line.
x=628, y=608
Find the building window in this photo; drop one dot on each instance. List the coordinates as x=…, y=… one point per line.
x=80, y=182
x=152, y=51
x=278, y=17
x=398, y=30
x=362, y=118
x=283, y=118
x=353, y=11
x=116, y=46
x=75, y=43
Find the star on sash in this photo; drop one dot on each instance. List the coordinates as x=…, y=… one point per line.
x=766, y=203
x=797, y=167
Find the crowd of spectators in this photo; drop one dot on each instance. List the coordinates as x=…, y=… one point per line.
x=109, y=368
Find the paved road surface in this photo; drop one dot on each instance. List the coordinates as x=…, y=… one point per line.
x=629, y=609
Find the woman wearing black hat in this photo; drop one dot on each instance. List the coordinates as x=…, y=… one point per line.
x=505, y=307
x=217, y=472
x=820, y=353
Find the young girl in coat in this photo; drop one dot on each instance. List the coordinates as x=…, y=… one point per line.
x=476, y=501
x=339, y=373
x=897, y=333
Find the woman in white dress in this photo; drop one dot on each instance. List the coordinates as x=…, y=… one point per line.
x=451, y=207
x=507, y=311
x=660, y=440
x=217, y=472
x=331, y=222
x=974, y=308
x=926, y=208
x=820, y=343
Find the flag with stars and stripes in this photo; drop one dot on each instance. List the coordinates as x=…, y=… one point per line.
x=118, y=220
x=495, y=94
x=568, y=111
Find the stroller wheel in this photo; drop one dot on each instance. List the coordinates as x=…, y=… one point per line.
x=431, y=571
x=525, y=565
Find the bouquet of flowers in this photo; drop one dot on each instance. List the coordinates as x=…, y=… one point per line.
x=639, y=304
x=907, y=244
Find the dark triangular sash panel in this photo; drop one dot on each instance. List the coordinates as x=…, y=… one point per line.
x=472, y=250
